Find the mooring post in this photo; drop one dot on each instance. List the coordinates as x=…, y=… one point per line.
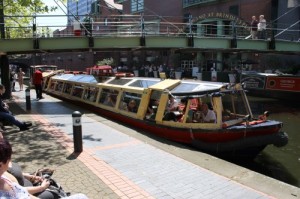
x=28, y=103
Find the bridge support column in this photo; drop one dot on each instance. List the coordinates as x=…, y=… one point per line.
x=5, y=75
x=143, y=41
x=233, y=43
x=36, y=43
x=190, y=40
x=91, y=42
x=272, y=41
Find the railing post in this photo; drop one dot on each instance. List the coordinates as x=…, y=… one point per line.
x=190, y=34
x=91, y=41
x=272, y=40
x=143, y=38
x=233, y=42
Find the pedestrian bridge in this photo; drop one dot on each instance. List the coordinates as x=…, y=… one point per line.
x=82, y=43
x=140, y=34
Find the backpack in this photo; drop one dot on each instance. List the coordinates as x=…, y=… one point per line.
x=55, y=188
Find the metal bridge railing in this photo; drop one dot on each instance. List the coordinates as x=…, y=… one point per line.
x=124, y=26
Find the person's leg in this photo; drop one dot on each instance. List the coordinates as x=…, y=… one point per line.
x=259, y=34
x=36, y=91
x=21, y=84
x=45, y=195
x=11, y=119
x=40, y=91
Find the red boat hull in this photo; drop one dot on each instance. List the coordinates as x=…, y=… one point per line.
x=241, y=140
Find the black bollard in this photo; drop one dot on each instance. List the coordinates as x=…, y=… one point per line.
x=28, y=103
x=77, y=131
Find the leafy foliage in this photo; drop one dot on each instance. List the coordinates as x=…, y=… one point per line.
x=107, y=61
x=19, y=15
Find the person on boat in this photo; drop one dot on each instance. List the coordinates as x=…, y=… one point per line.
x=172, y=104
x=5, y=113
x=131, y=107
x=109, y=101
x=208, y=116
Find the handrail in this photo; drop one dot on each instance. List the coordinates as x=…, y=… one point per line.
x=127, y=25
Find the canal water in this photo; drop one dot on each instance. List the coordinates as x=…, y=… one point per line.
x=280, y=163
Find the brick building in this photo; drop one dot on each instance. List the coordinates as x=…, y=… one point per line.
x=208, y=18
x=211, y=18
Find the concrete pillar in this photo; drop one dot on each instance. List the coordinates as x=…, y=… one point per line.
x=219, y=66
x=5, y=75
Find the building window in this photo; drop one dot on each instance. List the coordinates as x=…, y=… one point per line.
x=137, y=5
x=187, y=3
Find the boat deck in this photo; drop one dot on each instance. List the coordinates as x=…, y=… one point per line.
x=133, y=165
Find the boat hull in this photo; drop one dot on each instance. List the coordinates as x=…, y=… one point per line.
x=273, y=86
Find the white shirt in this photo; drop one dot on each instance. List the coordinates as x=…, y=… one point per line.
x=76, y=25
x=261, y=25
x=209, y=116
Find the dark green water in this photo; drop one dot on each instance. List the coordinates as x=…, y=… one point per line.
x=279, y=163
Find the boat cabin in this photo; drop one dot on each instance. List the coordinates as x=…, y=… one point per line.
x=148, y=99
x=212, y=116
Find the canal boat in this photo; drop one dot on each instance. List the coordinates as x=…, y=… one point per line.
x=235, y=131
x=272, y=85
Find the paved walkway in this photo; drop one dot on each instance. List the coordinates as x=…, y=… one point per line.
x=112, y=164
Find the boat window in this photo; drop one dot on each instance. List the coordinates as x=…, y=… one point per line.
x=77, y=90
x=234, y=106
x=101, y=79
x=83, y=78
x=91, y=94
x=153, y=104
x=108, y=97
x=143, y=83
x=130, y=101
x=52, y=86
x=183, y=87
x=59, y=86
x=67, y=88
x=120, y=81
x=200, y=88
x=46, y=82
x=201, y=110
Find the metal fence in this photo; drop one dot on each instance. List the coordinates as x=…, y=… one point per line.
x=126, y=26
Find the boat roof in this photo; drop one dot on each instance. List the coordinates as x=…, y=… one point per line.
x=43, y=66
x=254, y=73
x=80, y=78
x=176, y=87
x=191, y=87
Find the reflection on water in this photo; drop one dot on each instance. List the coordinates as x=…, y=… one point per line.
x=279, y=163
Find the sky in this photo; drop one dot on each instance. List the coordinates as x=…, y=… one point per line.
x=49, y=19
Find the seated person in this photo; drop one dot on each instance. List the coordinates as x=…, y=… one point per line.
x=208, y=116
x=26, y=180
x=109, y=101
x=6, y=115
x=152, y=107
x=172, y=104
x=10, y=188
x=131, y=107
